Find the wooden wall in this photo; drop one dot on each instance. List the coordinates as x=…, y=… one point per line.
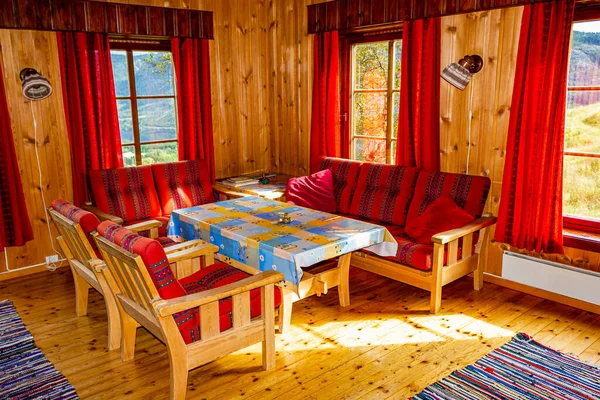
x=20, y=49
x=495, y=36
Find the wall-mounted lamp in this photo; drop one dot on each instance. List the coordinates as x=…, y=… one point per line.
x=35, y=86
x=459, y=74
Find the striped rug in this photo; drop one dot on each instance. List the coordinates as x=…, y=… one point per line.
x=521, y=369
x=24, y=371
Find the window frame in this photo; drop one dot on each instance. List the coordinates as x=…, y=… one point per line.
x=348, y=41
x=579, y=231
x=129, y=46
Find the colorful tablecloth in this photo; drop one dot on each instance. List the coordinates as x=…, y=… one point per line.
x=249, y=230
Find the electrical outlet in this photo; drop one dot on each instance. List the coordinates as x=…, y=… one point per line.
x=51, y=259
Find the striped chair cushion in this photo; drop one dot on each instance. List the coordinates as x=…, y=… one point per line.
x=384, y=192
x=128, y=193
x=345, y=174
x=88, y=221
x=469, y=192
x=182, y=184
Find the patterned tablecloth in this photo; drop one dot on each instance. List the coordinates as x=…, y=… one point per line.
x=248, y=230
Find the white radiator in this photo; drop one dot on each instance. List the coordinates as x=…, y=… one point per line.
x=551, y=276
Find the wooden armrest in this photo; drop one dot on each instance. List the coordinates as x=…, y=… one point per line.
x=144, y=226
x=453, y=234
x=97, y=264
x=102, y=216
x=192, y=252
x=185, y=245
x=169, y=307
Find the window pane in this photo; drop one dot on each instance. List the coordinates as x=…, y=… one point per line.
x=396, y=112
x=393, y=155
x=159, y=153
x=397, y=63
x=128, y=156
x=371, y=65
x=582, y=131
x=120, y=72
x=370, y=117
x=153, y=73
x=125, y=120
x=157, y=119
x=372, y=150
x=584, y=69
x=581, y=192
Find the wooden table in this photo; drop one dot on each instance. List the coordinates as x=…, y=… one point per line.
x=250, y=236
x=274, y=190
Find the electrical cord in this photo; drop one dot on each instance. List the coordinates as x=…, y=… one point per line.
x=51, y=266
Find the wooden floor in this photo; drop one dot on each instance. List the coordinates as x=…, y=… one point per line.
x=385, y=345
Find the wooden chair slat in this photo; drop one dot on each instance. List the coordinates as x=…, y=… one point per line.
x=209, y=320
x=467, y=246
x=241, y=309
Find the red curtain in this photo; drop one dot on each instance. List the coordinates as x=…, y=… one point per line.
x=15, y=227
x=192, y=69
x=530, y=214
x=419, y=121
x=90, y=106
x=325, y=127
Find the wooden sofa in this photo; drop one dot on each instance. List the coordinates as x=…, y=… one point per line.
x=389, y=195
x=128, y=196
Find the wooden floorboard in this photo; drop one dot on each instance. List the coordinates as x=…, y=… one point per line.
x=384, y=345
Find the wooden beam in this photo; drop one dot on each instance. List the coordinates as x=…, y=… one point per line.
x=110, y=18
x=350, y=14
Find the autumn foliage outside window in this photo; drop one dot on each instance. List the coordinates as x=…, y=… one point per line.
x=375, y=100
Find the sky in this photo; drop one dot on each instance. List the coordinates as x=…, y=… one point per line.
x=591, y=26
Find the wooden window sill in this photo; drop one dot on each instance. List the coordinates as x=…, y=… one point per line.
x=583, y=240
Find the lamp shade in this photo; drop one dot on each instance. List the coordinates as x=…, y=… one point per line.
x=35, y=86
x=459, y=74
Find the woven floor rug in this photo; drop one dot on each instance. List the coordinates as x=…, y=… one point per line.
x=521, y=369
x=24, y=371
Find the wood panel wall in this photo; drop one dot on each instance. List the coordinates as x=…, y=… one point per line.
x=20, y=49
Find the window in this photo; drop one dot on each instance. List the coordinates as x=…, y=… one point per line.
x=375, y=100
x=581, y=193
x=146, y=103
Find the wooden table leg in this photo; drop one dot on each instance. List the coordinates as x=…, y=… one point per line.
x=344, y=286
x=285, y=309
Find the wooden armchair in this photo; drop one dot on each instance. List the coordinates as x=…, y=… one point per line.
x=77, y=246
x=140, y=303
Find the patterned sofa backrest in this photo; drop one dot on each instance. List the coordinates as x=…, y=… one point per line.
x=384, y=192
x=345, y=175
x=469, y=192
x=128, y=193
x=182, y=184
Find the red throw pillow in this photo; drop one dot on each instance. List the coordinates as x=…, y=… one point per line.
x=314, y=191
x=440, y=216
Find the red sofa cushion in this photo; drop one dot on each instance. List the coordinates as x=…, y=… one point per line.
x=182, y=184
x=384, y=192
x=128, y=193
x=416, y=255
x=314, y=191
x=88, y=221
x=441, y=215
x=468, y=192
x=345, y=174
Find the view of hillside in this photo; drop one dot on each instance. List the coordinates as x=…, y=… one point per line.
x=153, y=72
x=581, y=174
